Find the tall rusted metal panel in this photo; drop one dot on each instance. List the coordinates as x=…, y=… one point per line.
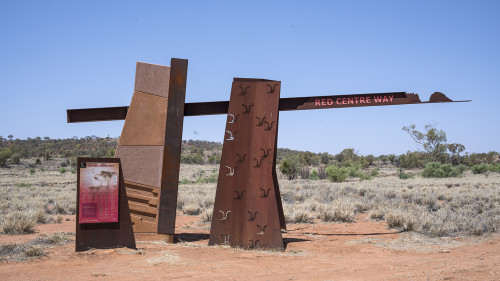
x=247, y=207
x=149, y=148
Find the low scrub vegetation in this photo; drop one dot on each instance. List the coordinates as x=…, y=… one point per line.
x=34, y=249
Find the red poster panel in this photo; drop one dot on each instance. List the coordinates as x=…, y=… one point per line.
x=98, y=192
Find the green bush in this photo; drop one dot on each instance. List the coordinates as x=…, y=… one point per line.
x=290, y=167
x=16, y=158
x=480, y=169
x=374, y=172
x=438, y=170
x=38, y=161
x=62, y=170
x=32, y=171
x=336, y=174
x=5, y=154
x=314, y=175
x=495, y=167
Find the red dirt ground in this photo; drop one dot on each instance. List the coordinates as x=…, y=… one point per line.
x=317, y=251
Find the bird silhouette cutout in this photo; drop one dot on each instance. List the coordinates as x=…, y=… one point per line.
x=240, y=158
x=261, y=121
x=239, y=194
x=224, y=215
x=261, y=229
x=265, y=152
x=243, y=90
x=247, y=108
x=271, y=88
x=265, y=192
x=252, y=215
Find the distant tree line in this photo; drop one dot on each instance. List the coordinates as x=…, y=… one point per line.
x=292, y=163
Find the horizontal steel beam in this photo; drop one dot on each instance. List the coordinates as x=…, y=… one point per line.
x=285, y=104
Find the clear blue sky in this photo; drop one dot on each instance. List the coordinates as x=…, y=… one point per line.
x=57, y=55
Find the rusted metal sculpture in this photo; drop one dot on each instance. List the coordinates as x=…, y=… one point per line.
x=247, y=211
x=150, y=147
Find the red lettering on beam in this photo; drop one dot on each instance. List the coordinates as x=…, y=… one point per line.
x=338, y=101
x=316, y=102
x=391, y=97
x=377, y=99
x=368, y=100
x=344, y=101
x=323, y=102
x=361, y=99
x=385, y=99
x=329, y=101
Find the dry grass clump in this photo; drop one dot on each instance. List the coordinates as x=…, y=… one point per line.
x=19, y=223
x=34, y=249
x=337, y=212
x=298, y=214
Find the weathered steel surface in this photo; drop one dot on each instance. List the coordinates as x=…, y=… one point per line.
x=172, y=152
x=247, y=208
x=105, y=235
x=141, y=164
x=96, y=114
x=146, y=120
x=149, y=147
x=285, y=104
x=152, y=79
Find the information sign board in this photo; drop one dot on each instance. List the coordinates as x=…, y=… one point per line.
x=98, y=190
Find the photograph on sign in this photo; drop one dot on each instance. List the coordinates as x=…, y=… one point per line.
x=98, y=190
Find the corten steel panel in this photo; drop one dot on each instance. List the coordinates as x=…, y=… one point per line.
x=152, y=79
x=172, y=153
x=105, y=235
x=141, y=164
x=246, y=210
x=143, y=203
x=146, y=120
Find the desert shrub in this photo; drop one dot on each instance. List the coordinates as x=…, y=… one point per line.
x=314, y=175
x=413, y=160
x=297, y=214
x=15, y=158
x=38, y=161
x=194, y=158
x=191, y=209
x=35, y=251
x=377, y=214
x=212, y=178
x=58, y=238
x=400, y=221
x=32, y=171
x=207, y=215
x=480, y=169
x=290, y=167
x=19, y=223
x=374, y=172
x=62, y=170
x=304, y=172
x=438, y=170
x=336, y=174
x=22, y=184
x=5, y=154
x=337, y=213
x=495, y=167
x=214, y=159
